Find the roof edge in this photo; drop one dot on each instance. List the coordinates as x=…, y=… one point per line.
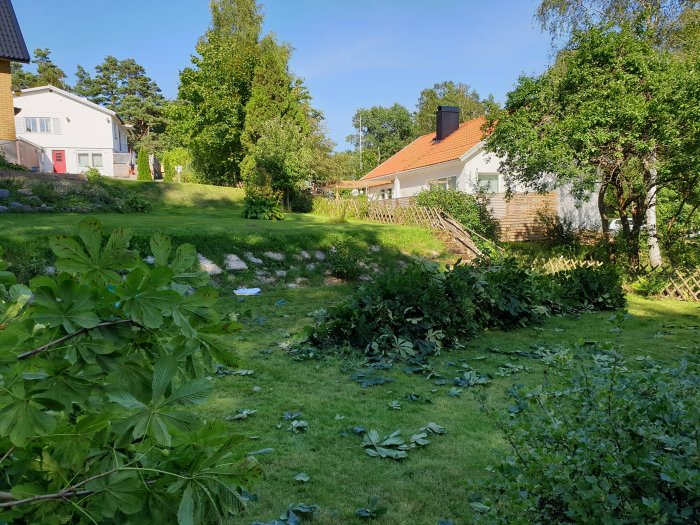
x=26, y=59
x=81, y=100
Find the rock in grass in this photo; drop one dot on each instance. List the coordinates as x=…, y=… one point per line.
x=304, y=254
x=234, y=262
x=4, y=209
x=252, y=258
x=208, y=266
x=281, y=273
x=275, y=256
x=311, y=267
x=320, y=256
x=4, y=194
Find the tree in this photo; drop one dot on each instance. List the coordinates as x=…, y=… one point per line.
x=47, y=71
x=282, y=159
x=656, y=19
x=102, y=367
x=22, y=79
x=124, y=87
x=384, y=131
x=593, y=120
x=214, y=92
x=446, y=93
x=143, y=167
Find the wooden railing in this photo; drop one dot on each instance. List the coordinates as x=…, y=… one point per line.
x=560, y=264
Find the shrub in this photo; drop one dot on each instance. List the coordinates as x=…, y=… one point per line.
x=616, y=446
x=598, y=288
x=557, y=231
x=92, y=175
x=178, y=157
x=301, y=201
x=419, y=310
x=346, y=255
x=6, y=165
x=469, y=210
x=142, y=166
x=102, y=367
x=260, y=203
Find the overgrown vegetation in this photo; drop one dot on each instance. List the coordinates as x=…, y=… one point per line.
x=471, y=211
x=99, y=194
x=421, y=310
x=100, y=367
x=615, y=445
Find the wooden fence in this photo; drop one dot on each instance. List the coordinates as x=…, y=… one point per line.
x=518, y=215
x=683, y=285
x=559, y=264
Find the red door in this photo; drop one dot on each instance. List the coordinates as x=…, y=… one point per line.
x=58, y=156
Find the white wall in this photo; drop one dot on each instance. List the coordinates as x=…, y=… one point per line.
x=82, y=129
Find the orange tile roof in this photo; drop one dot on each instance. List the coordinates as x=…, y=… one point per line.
x=424, y=151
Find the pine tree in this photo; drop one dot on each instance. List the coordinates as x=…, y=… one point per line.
x=142, y=165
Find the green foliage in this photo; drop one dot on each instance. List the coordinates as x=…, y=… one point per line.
x=46, y=71
x=557, y=231
x=598, y=288
x=143, y=168
x=384, y=131
x=100, y=372
x=6, y=165
x=617, y=445
x=345, y=255
x=420, y=310
x=178, y=157
x=261, y=204
x=447, y=93
x=470, y=210
x=124, y=87
x=100, y=194
x=374, y=509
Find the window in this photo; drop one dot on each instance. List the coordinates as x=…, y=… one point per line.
x=90, y=160
x=446, y=183
x=385, y=194
x=37, y=125
x=488, y=182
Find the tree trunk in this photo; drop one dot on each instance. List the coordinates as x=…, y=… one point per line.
x=652, y=234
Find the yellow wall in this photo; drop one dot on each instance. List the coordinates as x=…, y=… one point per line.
x=7, y=109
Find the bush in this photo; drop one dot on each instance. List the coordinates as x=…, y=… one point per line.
x=142, y=166
x=92, y=175
x=598, y=288
x=301, y=201
x=6, y=165
x=557, y=231
x=178, y=157
x=419, y=310
x=470, y=211
x=346, y=255
x=262, y=204
x=616, y=446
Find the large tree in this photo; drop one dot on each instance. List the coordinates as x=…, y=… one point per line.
x=598, y=119
x=447, y=93
x=383, y=131
x=124, y=87
x=47, y=72
x=215, y=90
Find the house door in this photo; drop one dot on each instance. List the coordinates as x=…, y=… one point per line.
x=58, y=156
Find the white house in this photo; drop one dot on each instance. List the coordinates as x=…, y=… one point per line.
x=453, y=157
x=73, y=133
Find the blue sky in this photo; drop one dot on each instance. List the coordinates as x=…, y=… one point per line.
x=351, y=53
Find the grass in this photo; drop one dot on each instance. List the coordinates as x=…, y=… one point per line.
x=432, y=483
x=208, y=217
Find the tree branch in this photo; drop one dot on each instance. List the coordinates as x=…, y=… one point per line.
x=65, y=338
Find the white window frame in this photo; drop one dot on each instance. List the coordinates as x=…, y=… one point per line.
x=87, y=157
x=489, y=182
x=35, y=125
x=445, y=183
x=92, y=160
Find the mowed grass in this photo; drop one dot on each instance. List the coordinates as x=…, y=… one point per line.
x=433, y=482
x=210, y=218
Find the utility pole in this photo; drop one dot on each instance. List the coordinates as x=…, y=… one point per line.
x=360, y=144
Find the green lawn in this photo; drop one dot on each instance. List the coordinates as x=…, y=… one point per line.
x=429, y=485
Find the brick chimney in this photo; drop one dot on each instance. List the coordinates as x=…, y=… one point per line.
x=447, y=121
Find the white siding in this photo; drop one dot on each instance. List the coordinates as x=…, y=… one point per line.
x=82, y=129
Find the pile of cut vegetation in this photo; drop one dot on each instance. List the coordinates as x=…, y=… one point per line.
x=420, y=310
